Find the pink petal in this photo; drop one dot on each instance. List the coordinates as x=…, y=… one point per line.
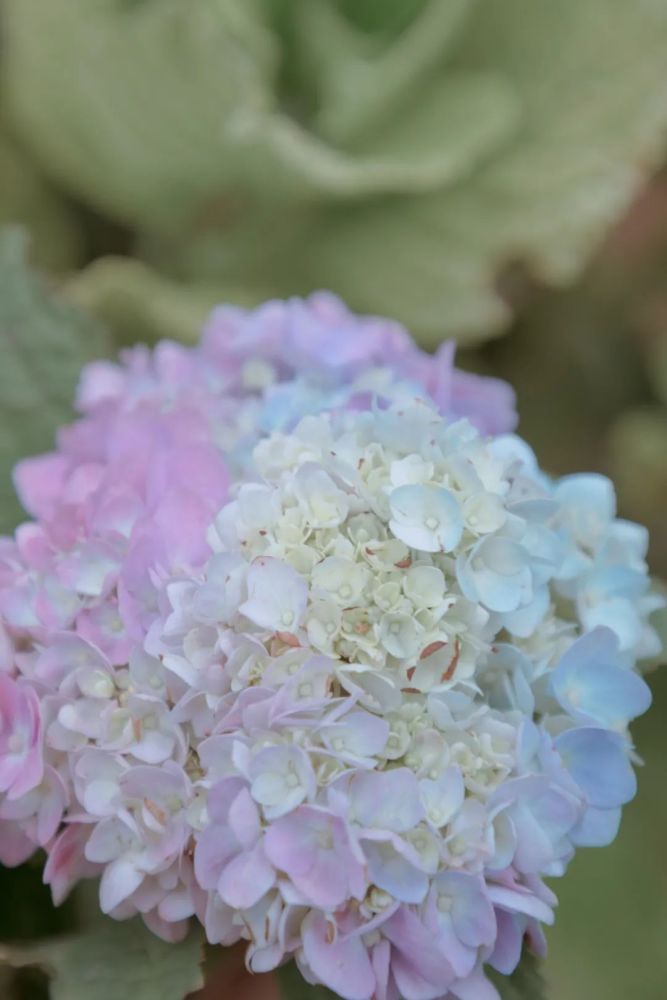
x=244, y=819
x=15, y=846
x=521, y=902
x=246, y=879
x=342, y=964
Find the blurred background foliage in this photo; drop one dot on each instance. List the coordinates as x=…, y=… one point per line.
x=471, y=167
x=400, y=152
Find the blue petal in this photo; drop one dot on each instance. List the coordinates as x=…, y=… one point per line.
x=591, y=687
x=389, y=870
x=598, y=763
x=596, y=828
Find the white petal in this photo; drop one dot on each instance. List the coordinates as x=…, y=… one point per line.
x=119, y=881
x=277, y=595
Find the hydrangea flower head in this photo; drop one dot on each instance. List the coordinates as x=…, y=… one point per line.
x=349, y=694
x=388, y=664
x=263, y=369
x=130, y=491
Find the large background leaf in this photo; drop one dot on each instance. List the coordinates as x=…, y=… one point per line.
x=25, y=197
x=402, y=156
x=44, y=344
x=146, y=94
x=526, y=983
x=591, y=81
x=115, y=961
x=140, y=304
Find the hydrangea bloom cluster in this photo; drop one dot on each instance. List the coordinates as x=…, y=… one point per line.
x=406, y=677
x=134, y=483
x=353, y=714
x=262, y=370
x=129, y=493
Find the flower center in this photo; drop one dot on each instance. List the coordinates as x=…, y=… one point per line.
x=445, y=903
x=325, y=840
x=16, y=743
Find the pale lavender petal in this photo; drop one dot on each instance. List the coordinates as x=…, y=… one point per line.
x=342, y=964
x=246, y=878
x=120, y=879
x=386, y=800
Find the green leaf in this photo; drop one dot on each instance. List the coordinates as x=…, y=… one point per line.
x=404, y=162
x=588, y=76
x=381, y=16
x=27, y=199
x=637, y=447
x=137, y=303
x=163, y=97
x=44, y=345
x=657, y=367
x=658, y=621
x=360, y=84
x=440, y=137
x=165, y=145
x=292, y=985
x=524, y=984
x=115, y=961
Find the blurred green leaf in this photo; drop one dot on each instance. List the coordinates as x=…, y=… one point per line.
x=361, y=85
x=657, y=366
x=637, y=446
x=438, y=139
x=381, y=16
x=151, y=99
x=637, y=450
x=526, y=983
x=591, y=82
x=162, y=148
x=403, y=161
x=44, y=344
x=26, y=198
x=658, y=620
x=115, y=961
x=292, y=985
x=137, y=303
